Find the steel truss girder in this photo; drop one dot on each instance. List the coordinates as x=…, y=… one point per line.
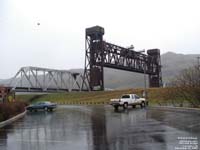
x=44, y=80
x=124, y=59
x=99, y=54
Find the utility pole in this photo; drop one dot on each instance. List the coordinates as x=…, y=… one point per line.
x=198, y=69
x=145, y=85
x=198, y=62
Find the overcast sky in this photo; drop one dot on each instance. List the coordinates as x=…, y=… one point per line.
x=58, y=42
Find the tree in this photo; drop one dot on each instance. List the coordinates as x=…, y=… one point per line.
x=187, y=85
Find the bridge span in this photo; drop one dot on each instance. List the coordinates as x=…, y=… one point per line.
x=98, y=54
x=36, y=79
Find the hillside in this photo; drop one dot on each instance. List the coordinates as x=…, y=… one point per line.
x=172, y=63
x=156, y=96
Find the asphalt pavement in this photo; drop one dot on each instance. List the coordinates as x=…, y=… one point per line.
x=102, y=128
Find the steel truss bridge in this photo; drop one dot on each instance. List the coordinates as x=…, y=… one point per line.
x=100, y=54
x=35, y=79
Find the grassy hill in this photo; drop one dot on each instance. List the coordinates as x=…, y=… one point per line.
x=156, y=96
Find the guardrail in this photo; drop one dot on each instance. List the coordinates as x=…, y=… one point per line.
x=83, y=103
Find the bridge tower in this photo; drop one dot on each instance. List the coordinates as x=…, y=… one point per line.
x=93, y=72
x=100, y=54
x=155, y=80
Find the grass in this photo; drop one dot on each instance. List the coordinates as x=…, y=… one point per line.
x=156, y=96
x=97, y=97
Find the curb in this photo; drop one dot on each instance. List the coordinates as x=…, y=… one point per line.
x=83, y=103
x=11, y=120
x=177, y=109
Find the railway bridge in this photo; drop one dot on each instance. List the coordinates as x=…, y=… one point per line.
x=98, y=54
x=36, y=79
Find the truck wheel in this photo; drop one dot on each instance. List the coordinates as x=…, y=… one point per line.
x=116, y=107
x=125, y=105
x=142, y=105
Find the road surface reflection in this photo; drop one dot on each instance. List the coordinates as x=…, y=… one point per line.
x=99, y=128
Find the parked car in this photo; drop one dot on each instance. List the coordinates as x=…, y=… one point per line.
x=47, y=106
x=128, y=100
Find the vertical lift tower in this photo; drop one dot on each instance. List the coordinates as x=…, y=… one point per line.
x=100, y=54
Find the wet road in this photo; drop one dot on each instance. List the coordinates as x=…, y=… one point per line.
x=101, y=128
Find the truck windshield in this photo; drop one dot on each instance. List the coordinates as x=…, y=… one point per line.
x=125, y=96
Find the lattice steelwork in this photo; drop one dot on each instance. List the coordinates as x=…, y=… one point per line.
x=35, y=79
x=93, y=73
x=101, y=54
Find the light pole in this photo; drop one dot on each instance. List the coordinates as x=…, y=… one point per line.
x=145, y=85
x=198, y=62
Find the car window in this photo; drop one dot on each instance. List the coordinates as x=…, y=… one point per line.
x=125, y=96
x=137, y=97
x=41, y=103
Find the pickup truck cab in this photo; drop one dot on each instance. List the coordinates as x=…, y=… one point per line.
x=128, y=100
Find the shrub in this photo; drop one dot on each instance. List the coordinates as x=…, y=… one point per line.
x=10, y=109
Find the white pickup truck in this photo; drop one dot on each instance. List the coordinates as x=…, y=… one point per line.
x=128, y=99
